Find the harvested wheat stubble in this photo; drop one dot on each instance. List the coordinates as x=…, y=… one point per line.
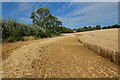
x=59, y=57
x=104, y=42
x=21, y=65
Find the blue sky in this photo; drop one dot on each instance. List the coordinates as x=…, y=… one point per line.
x=72, y=14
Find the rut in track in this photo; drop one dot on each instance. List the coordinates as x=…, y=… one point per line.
x=57, y=57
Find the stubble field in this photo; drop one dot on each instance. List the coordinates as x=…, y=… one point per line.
x=68, y=56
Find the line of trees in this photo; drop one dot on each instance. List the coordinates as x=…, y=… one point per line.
x=44, y=25
x=97, y=27
x=113, y=26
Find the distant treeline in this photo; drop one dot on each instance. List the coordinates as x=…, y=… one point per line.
x=97, y=27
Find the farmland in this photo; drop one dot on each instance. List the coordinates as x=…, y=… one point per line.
x=65, y=56
x=59, y=40
x=103, y=42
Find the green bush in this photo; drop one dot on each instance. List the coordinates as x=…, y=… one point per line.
x=10, y=39
x=43, y=34
x=58, y=30
x=14, y=31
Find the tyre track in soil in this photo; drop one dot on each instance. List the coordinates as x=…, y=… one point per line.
x=62, y=57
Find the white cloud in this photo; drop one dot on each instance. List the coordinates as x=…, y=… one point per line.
x=97, y=13
x=25, y=20
x=26, y=6
x=29, y=6
x=95, y=8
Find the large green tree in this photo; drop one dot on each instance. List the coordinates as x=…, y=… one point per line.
x=42, y=17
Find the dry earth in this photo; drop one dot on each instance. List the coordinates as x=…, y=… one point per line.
x=63, y=57
x=8, y=48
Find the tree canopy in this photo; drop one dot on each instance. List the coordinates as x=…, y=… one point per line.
x=42, y=17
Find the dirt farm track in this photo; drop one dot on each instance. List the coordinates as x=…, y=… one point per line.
x=58, y=57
